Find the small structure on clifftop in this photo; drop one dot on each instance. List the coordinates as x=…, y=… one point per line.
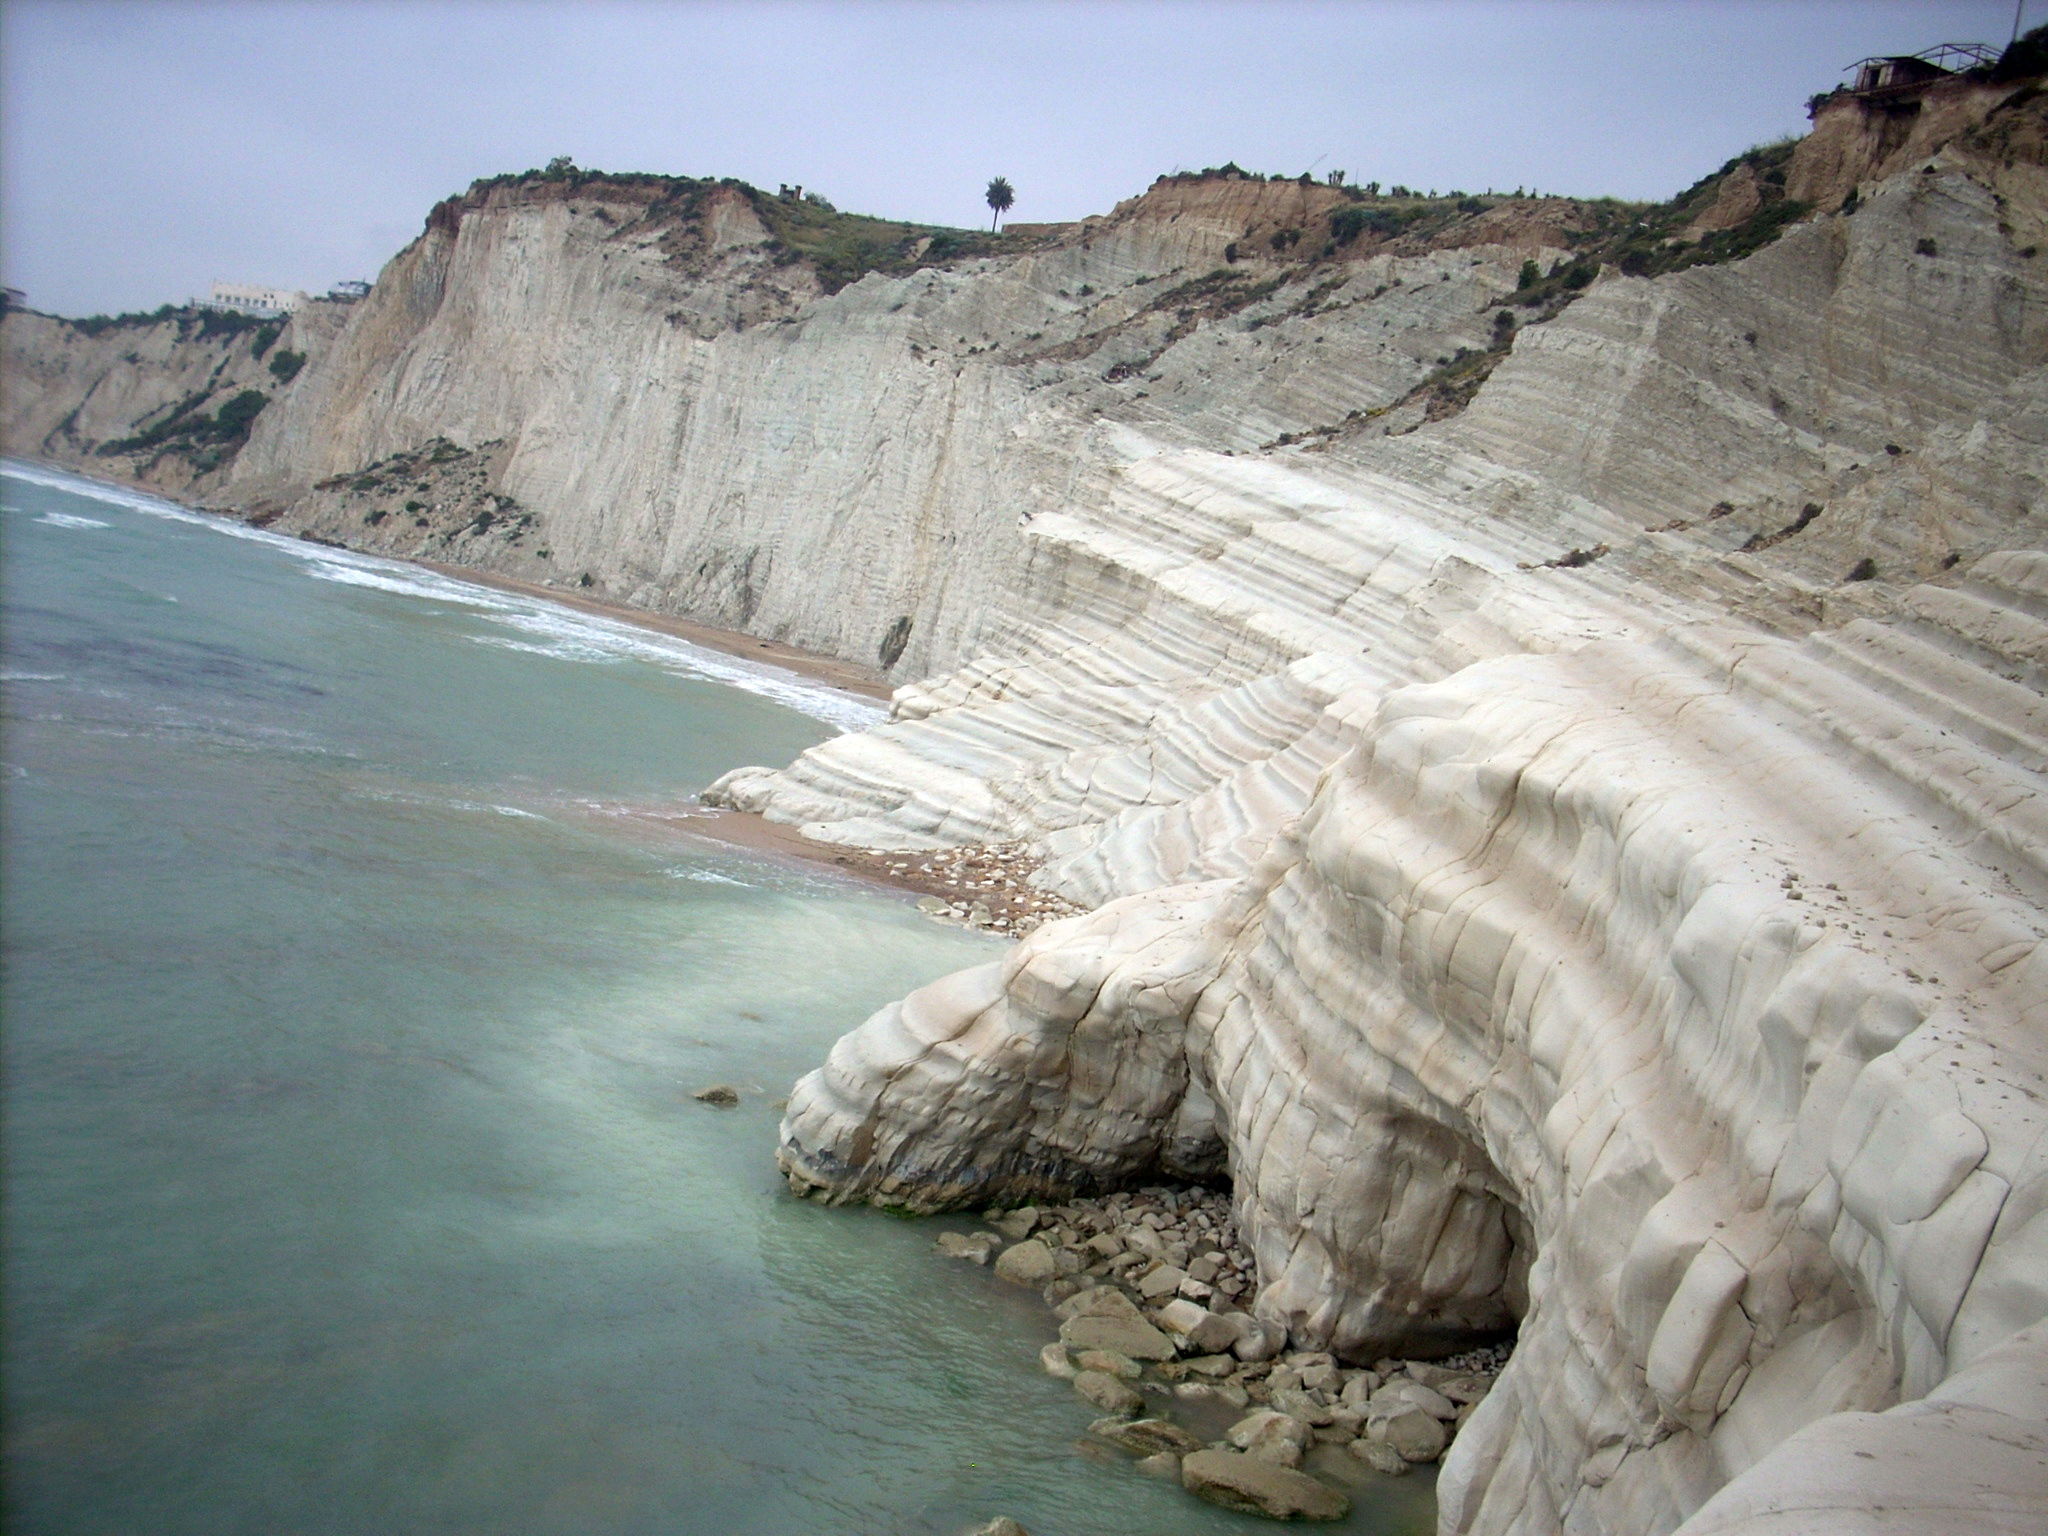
x=1905, y=77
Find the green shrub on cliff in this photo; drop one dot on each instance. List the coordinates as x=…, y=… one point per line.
x=187, y=429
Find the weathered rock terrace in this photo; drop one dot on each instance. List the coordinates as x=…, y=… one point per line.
x=1575, y=863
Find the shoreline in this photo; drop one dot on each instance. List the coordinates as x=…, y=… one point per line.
x=992, y=877
x=847, y=676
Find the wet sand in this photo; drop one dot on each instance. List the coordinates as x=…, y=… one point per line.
x=994, y=876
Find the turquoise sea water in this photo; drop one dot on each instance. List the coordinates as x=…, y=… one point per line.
x=358, y=974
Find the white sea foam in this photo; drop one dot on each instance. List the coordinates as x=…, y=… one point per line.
x=566, y=634
x=66, y=520
x=565, y=651
x=705, y=877
x=9, y=675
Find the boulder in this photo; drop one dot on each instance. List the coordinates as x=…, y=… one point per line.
x=1163, y=1281
x=1382, y=1458
x=1100, y=1301
x=1298, y=1403
x=1416, y=1434
x=1281, y=1453
x=978, y=1248
x=1267, y=1427
x=1018, y=1224
x=1145, y=1437
x=1430, y=1375
x=1165, y=1464
x=1401, y=1390
x=1359, y=1388
x=1256, y=1340
x=1054, y=1358
x=1465, y=1390
x=1323, y=1375
x=724, y=1095
x=1204, y=1330
x=1002, y=1525
x=1028, y=1263
x=1131, y=1337
x=1254, y=1487
x=1109, y=1363
x=1109, y=1394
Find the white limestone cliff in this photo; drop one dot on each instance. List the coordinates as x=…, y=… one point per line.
x=1647, y=949
x=1574, y=862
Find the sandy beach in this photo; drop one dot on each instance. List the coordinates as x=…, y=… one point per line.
x=850, y=677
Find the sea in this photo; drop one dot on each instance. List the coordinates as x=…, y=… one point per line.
x=360, y=963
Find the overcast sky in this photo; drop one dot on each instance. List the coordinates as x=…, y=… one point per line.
x=150, y=146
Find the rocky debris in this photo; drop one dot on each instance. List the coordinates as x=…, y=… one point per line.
x=724, y=1095
x=1002, y=1525
x=1255, y=1487
x=983, y=885
x=1151, y=1290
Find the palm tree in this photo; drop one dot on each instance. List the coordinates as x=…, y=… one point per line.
x=1000, y=196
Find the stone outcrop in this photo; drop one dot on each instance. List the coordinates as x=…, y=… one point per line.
x=1575, y=863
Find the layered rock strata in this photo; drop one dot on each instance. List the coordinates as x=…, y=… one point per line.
x=1683, y=1000
x=1563, y=873
x=1575, y=862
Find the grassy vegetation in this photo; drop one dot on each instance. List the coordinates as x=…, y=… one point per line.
x=1653, y=244
x=803, y=228
x=193, y=320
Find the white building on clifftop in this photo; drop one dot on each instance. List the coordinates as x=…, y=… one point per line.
x=254, y=298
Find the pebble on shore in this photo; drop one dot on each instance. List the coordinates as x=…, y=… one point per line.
x=1153, y=1291
x=986, y=886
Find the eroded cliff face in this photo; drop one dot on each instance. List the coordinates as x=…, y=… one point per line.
x=1572, y=859
x=158, y=383
x=685, y=420
x=1584, y=861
